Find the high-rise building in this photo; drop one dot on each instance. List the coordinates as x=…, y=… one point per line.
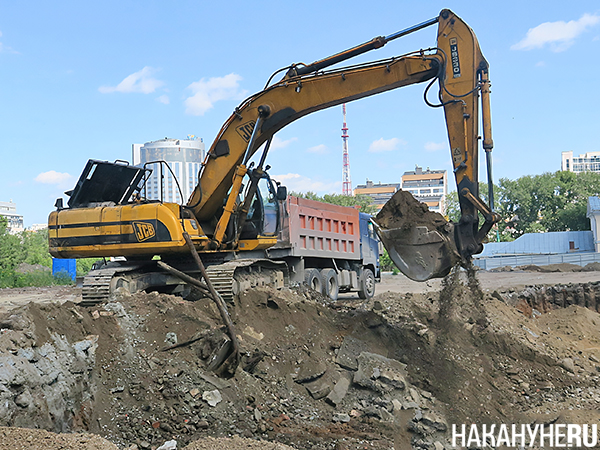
x=427, y=186
x=14, y=220
x=588, y=162
x=176, y=182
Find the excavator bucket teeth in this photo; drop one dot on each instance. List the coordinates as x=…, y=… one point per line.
x=420, y=242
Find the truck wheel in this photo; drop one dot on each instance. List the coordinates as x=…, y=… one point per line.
x=367, y=284
x=330, y=283
x=313, y=280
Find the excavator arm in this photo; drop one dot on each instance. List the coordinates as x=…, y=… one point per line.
x=466, y=78
x=462, y=72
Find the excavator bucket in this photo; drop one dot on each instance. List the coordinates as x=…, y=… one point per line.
x=420, y=242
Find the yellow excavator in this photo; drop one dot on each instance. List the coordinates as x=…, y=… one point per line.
x=224, y=232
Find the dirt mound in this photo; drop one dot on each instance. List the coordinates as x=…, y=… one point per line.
x=292, y=387
x=504, y=269
x=562, y=267
x=591, y=267
x=397, y=370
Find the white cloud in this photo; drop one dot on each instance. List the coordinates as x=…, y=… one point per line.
x=164, y=99
x=207, y=92
x=385, y=145
x=53, y=177
x=278, y=143
x=560, y=35
x=299, y=183
x=435, y=146
x=320, y=149
x=139, y=82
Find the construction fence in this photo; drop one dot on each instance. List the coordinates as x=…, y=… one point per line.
x=493, y=262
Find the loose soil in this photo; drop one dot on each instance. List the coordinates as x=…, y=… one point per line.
x=395, y=371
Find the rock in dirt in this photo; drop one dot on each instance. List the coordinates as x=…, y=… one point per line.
x=43, y=376
x=341, y=417
x=349, y=351
x=213, y=398
x=378, y=373
x=169, y=445
x=339, y=391
x=310, y=370
x=319, y=389
x=434, y=421
x=567, y=364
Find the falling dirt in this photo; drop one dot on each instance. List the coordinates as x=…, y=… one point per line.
x=395, y=371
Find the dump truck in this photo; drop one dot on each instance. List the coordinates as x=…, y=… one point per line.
x=329, y=247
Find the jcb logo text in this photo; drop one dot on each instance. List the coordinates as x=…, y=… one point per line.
x=143, y=231
x=245, y=130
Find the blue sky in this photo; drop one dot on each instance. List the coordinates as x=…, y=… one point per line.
x=81, y=80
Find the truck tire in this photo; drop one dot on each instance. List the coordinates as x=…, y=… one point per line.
x=313, y=280
x=330, y=283
x=366, y=288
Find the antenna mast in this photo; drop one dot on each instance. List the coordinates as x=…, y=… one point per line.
x=346, y=183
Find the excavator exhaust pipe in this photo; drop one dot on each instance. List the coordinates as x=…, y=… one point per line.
x=420, y=242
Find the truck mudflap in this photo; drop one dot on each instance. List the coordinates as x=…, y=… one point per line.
x=420, y=242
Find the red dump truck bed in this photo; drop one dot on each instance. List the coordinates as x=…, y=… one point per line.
x=316, y=229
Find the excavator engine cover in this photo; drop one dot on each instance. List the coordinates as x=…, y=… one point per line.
x=420, y=242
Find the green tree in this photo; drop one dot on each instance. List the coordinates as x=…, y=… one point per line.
x=11, y=254
x=538, y=203
x=362, y=202
x=452, y=206
x=547, y=202
x=35, y=248
x=25, y=247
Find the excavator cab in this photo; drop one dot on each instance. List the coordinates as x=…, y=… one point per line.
x=264, y=215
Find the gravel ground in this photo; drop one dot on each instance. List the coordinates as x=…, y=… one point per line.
x=29, y=439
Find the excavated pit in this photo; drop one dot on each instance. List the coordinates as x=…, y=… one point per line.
x=393, y=372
